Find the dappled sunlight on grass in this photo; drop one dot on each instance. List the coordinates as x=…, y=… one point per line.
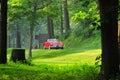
x=66, y=57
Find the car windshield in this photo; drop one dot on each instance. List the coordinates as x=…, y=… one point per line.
x=51, y=40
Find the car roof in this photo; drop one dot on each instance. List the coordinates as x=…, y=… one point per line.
x=51, y=39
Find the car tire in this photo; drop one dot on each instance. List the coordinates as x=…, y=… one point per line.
x=61, y=47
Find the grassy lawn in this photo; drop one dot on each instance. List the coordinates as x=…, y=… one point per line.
x=66, y=64
x=67, y=56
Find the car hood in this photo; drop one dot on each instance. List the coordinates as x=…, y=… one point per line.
x=56, y=42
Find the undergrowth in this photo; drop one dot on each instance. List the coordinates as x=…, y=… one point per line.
x=93, y=42
x=48, y=72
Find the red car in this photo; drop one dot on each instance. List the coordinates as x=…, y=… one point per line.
x=53, y=44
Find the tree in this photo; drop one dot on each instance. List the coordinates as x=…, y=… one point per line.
x=15, y=14
x=18, y=35
x=85, y=19
x=29, y=10
x=109, y=29
x=52, y=11
x=66, y=18
x=61, y=18
x=50, y=27
x=33, y=14
x=32, y=19
x=3, y=32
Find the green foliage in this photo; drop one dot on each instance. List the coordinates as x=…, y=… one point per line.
x=86, y=19
x=93, y=42
x=52, y=9
x=79, y=15
x=16, y=9
x=98, y=61
x=45, y=72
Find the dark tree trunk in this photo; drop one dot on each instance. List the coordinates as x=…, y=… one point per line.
x=18, y=37
x=50, y=27
x=9, y=44
x=109, y=29
x=61, y=20
x=31, y=40
x=3, y=32
x=66, y=19
x=18, y=55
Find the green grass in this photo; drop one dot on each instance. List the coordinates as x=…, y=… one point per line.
x=66, y=64
x=67, y=56
x=76, y=62
x=47, y=72
x=80, y=43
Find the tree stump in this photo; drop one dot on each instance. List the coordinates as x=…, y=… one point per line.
x=18, y=55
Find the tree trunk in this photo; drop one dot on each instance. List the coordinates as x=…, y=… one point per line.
x=31, y=39
x=61, y=20
x=3, y=32
x=50, y=27
x=18, y=37
x=32, y=25
x=109, y=29
x=9, y=44
x=66, y=19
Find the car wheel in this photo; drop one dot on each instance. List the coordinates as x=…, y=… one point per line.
x=61, y=47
